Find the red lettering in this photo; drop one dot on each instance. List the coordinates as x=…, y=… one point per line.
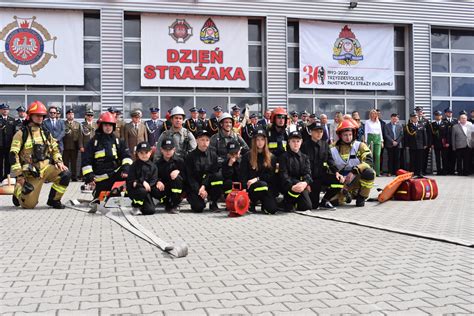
x=217, y=56
x=172, y=55
x=239, y=74
x=150, y=72
x=161, y=71
x=200, y=71
x=175, y=72
x=204, y=56
x=212, y=74
x=225, y=73
x=188, y=73
x=185, y=56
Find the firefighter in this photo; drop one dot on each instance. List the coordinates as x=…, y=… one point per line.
x=154, y=127
x=106, y=158
x=183, y=139
x=213, y=122
x=439, y=137
x=277, y=135
x=193, y=124
x=448, y=150
x=426, y=125
x=323, y=170
x=231, y=166
x=204, y=179
x=220, y=140
x=21, y=118
x=71, y=143
x=295, y=175
x=202, y=119
x=250, y=128
x=257, y=173
x=141, y=181
x=354, y=161
x=170, y=176
x=416, y=141
x=7, y=130
x=35, y=158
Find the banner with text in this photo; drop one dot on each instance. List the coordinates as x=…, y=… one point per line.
x=41, y=47
x=194, y=51
x=346, y=56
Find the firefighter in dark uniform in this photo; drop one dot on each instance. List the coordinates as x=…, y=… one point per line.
x=192, y=124
x=257, y=173
x=21, y=117
x=204, y=178
x=36, y=158
x=106, y=158
x=202, y=119
x=323, y=170
x=7, y=130
x=450, y=154
x=213, y=122
x=415, y=140
x=154, y=127
x=231, y=166
x=170, y=176
x=71, y=143
x=426, y=126
x=439, y=137
x=277, y=136
x=295, y=175
x=250, y=128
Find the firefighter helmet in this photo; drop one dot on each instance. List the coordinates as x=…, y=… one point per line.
x=38, y=108
x=177, y=110
x=107, y=117
x=224, y=116
x=346, y=125
x=279, y=111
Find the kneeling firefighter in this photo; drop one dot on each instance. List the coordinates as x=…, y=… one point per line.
x=106, y=158
x=353, y=160
x=35, y=158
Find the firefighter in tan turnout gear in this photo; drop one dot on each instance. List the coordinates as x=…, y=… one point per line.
x=35, y=158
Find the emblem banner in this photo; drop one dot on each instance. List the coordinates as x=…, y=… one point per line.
x=194, y=51
x=346, y=56
x=41, y=47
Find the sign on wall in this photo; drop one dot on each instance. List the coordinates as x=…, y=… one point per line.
x=41, y=47
x=346, y=56
x=194, y=51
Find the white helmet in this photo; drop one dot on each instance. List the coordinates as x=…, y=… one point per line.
x=177, y=110
x=224, y=116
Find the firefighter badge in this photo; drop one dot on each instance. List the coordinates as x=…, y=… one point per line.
x=26, y=46
x=180, y=30
x=347, y=49
x=209, y=32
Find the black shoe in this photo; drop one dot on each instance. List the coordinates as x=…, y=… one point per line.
x=270, y=212
x=326, y=205
x=213, y=207
x=360, y=201
x=252, y=208
x=172, y=210
x=56, y=204
x=15, y=200
x=347, y=196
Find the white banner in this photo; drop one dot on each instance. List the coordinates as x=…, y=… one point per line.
x=194, y=51
x=41, y=47
x=346, y=56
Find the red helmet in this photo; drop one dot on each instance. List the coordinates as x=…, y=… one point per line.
x=107, y=117
x=346, y=125
x=279, y=111
x=38, y=108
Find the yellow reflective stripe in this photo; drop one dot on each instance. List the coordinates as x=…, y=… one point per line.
x=59, y=188
x=86, y=169
x=16, y=142
x=345, y=157
x=265, y=188
x=57, y=156
x=217, y=183
x=272, y=145
x=99, y=154
x=127, y=161
x=101, y=177
x=337, y=186
x=176, y=190
x=284, y=144
x=325, y=164
x=28, y=144
x=14, y=149
x=366, y=184
x=16, y=166
x=402, y=192
x=228, y=191
x=293, y=194
x=139, y=202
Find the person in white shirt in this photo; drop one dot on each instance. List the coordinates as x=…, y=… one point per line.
x=373, y=135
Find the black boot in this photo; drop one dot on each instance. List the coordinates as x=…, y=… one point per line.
x=326, y=205
x=213, y=207
x=15, y=200
x=360, y=201
x=56, y=204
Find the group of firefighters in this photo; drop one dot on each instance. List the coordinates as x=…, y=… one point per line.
x=198, y=159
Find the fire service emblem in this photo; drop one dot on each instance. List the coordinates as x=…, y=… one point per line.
x=180, y=30
x=347, y=49
x=26, y=46
x=209, y=32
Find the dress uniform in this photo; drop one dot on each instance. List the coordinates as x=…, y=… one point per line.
x=119, y=126
x=353, y=160
x=71, y=143
x=202, y=119
x=88, y=128
x=295, y=168
x=202, y=171
x=426, y=125
x=171, y=196
x=231, y=166
x=323, y=170
x=450, y=154
x=239, y=122
x=250, y=128
x=439, y=137
x=36, y=158
x=415, y=140
x=154, y=127
x=277, y=135
x=193, y=124
x=213, y=122
x=106, y=158
x=7, y=130
x=135, y=132
x=21, y=118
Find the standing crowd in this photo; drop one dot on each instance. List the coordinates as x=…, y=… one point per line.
x=296, y=155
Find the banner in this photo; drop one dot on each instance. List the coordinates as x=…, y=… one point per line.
x=41, y=47
x=194, y=51
x=346, y=56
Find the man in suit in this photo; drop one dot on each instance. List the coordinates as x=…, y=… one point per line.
x=71, y=143
x=56, y=126
x=439, y=141
x=460, y=145
x=393, y=136
x=135, y=132
x=326, y=128
x=450, y=154
x=266, y=120
x=7, y=130
x=154, y=127
x=415, y=139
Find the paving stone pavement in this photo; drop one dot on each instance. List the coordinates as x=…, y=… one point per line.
x=65, y=262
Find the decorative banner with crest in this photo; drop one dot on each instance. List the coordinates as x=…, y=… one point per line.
x=346, y=56
x=194, y=51
x=41, y=47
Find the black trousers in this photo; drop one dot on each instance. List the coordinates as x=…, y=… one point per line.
x=333, y=188
x=107, y=184
x=214, y=191
x=262, y=191
x=393, y=159
x=4, y=162
x=143, y=199
x=426, y=154
x=416, y=160
x=441, y=160
x=451, y=160
x=171, y=195
x=301, y=201
x=463, y=161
